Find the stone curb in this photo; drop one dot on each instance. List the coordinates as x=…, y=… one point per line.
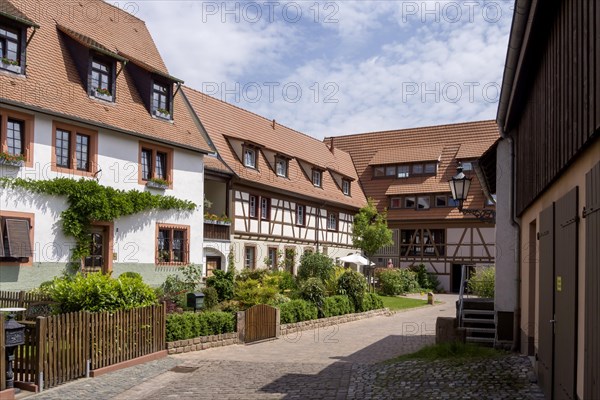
x=202, y=343
x=323, y=322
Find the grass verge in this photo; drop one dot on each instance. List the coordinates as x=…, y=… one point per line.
x=401, y=303
x=455, y=351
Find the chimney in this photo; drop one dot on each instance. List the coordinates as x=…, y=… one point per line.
x=331, y=148
x=274, y=122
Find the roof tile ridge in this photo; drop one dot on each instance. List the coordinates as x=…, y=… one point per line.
x=414, y=128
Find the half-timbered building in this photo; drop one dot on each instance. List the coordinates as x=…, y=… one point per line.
x=548, y=187
x=406, y=172
x=288, y=193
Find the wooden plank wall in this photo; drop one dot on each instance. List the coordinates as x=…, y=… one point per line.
x=560, y=109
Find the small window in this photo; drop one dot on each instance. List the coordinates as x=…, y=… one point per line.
x=467, y=166
x=161, y=106
x=15, y=137
x=15, y=239
x=101, y=79
x=74, y=150
x=265, y=208
x=281, y=167
x=317, y=176
x=403, y=171
x=300, y=215
x=10, y=44
x=346, y=187
x=252, y=206
x=441, y=201
x=250, y=257
x=396, y=202
x=423, y=202
x=491, y=202
x=155, y=163
x=430, y=168
x=417, y=169
x=273, y=258
x=409, y=202
x=452, y=202
x=249, y=157
x=332, y=221
x=172, y=245
x=378, y=172
x=390, y=170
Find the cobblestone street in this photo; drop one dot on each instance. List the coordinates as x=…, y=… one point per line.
x=342, y=362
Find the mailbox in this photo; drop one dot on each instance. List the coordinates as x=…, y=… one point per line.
x=14, y=332
x=195, y=300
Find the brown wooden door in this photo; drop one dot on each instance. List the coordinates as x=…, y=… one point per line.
x=99, y=244
x=591, y=369
x=546, y=301
x=565, y=296
x=212, y=263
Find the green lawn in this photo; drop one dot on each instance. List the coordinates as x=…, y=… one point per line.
x=401, y=303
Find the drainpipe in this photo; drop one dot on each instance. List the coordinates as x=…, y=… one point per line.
x=515, y=223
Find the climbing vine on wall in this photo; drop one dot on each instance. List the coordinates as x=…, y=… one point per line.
x=89, y=201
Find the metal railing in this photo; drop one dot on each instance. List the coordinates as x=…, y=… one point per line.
x=461, y=294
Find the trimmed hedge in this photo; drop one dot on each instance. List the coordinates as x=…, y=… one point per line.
x=191, y=325
x=337, y=305
x=297, y=311
x=372, y=301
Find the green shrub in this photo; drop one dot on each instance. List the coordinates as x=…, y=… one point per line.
x=173, y=292
x=191, y=325
x=313, y=290
x=280, y=299
x=337, y=305
x=230, y=306
x=255, y=274
x=315, y=265
x=297, y=311
x=372, y=301
x=482, y=282
x=425, y=279
x=354, y=285
x=211, y=298
x=250, y=292
x=131, y=274
x=285, y=280
x=223, y=282
x=97, y=292
x=331, y=283
x=397, y=281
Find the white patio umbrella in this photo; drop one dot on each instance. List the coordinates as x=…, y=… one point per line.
x=355, y=258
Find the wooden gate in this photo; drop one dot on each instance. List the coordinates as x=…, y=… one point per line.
x=591, y=380
x=260, y=323
x=565, y=296
x=546, y=300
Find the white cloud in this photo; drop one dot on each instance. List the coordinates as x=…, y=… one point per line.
x=381, y=66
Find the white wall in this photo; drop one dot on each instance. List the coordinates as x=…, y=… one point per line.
x=134, y=236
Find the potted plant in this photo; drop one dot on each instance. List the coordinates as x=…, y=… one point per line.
x=13, y=160
x=11, y=65
x=103, y=94
x=157, y=183
x=162, y=113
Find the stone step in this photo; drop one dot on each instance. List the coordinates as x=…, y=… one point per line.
x=475, y=339
x=481, y=321
x=470, y=329
x=478, y=312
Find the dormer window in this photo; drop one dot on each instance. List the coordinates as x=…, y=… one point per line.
x=161, y=104
x=249, y=157
x=10, y=44
x=101, y=79
x=346, y=187
x=281, y=167
x=317, y=178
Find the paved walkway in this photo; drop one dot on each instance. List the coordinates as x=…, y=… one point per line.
x=341, y=362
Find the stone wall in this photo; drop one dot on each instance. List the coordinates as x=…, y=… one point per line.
x=286, y=329
x=202, y=343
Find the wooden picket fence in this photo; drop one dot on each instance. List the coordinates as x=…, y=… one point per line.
x=64, y=347
x=2, y=357
x=20, y=299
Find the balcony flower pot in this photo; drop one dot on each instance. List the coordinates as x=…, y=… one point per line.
x=103, y=95
x=163, y=114
x=11, y=66
x=157, y=185
x=12, y=163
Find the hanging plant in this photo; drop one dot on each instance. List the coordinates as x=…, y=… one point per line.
x=89, y=201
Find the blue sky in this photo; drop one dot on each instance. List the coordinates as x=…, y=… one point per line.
x=337, y=67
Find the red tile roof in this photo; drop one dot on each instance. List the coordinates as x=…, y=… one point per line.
x=53, y=84
x=470, y=140
x=227, y=124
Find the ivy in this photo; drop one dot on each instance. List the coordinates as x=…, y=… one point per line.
x=89, y=201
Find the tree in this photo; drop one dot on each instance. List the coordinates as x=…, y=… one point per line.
x=370, y=231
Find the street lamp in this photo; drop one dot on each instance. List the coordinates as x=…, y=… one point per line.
x=459, y=186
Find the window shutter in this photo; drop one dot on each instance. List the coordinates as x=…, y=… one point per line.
x=19, y=243
x=1, y=242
